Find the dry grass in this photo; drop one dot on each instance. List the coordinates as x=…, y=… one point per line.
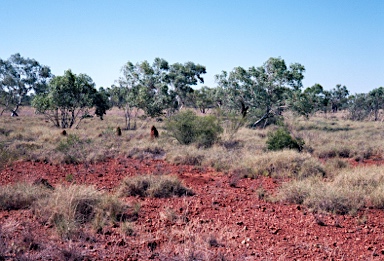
x=70, y=207
x=162, y=186
x=21, y=195
x=348, y=192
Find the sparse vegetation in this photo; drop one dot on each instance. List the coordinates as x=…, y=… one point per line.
x=320, y=177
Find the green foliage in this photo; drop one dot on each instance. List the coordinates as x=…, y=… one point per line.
x=204, y=98
x=339, y=97
x=153, y=186
x=158, y=87
x=19, y=76
x=281, y=139
x=69, y=99
x=358, y=107
x=264, y=88
x=186, y=127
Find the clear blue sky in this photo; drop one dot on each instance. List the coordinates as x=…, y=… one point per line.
x=338, y=41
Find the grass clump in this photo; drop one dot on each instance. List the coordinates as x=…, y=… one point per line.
x=187, y=128
x=348, y=192
x=69, y=207
x=6, y=155
x=163, y=186
x=319, y=196
x=286, y=163
x=21, y=195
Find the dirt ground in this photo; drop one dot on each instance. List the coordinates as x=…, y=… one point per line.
x=220, y=222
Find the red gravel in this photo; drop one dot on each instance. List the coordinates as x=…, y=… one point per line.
x=219, y=222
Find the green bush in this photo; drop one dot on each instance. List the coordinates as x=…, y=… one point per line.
x=186, y=127
x=281, y=139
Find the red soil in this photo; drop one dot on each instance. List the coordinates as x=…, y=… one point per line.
x=219, y=221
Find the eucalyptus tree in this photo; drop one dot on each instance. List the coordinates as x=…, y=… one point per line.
x=261, y=91
x=204, y=98
x=359, y=106
x=376, y=99
x=311, y=100
x=144, y=86
x=182, y=77
x=18, y=77
x=69, y=99
x=157, y=88
x=339, y=97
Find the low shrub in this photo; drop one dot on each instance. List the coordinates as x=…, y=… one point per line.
x=186, y=127
x=73, y=148
x=281, y=139
x=6, y=155
x=153, y=186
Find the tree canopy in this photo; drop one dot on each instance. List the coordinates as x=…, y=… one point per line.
x=260, y=90
x=69, y=99
x=256, y=95
x=18, y=77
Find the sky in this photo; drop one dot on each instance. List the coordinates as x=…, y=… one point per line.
x=338, y=41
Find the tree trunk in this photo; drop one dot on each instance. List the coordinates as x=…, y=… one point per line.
x=265, y=116
x=14, y=111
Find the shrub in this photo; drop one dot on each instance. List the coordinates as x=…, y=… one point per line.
x=73, y=148
x=186, y=127
x=281, y=139
x=153, y=186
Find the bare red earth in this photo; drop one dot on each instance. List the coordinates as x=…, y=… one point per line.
x=219, y=222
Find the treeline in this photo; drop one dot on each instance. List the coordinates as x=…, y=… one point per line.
x=257, y=95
